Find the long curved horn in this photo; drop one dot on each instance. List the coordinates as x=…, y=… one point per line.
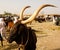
x=36, y=13
x=21, y=13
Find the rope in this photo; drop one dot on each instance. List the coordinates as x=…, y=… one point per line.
x=21, y=45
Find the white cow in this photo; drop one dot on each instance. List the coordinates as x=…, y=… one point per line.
x=2, y=27
x=15, y=19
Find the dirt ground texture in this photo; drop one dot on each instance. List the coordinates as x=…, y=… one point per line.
x=48, y=37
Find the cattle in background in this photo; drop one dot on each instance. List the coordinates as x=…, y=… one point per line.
x=56, y=19
x=23, y=35
x=2, y=30
x=9, y=22
x=48, y=18
x=15, y=19
x=43, y=18
x=40, y=19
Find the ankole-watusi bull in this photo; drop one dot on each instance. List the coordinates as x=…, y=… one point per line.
x=23, y=35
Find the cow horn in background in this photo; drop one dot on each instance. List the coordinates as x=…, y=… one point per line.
x=36, y=13
x=21, y=13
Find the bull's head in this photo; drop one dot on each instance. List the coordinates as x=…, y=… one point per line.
x=20, y=26
x=13, y=32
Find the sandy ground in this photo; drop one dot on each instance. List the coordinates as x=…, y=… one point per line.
x=48, y=37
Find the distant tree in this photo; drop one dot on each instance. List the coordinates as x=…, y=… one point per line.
x=7, y=13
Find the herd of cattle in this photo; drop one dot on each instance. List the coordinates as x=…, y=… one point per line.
x=24, y=36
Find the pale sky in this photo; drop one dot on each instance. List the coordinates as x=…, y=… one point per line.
x=15, y=6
